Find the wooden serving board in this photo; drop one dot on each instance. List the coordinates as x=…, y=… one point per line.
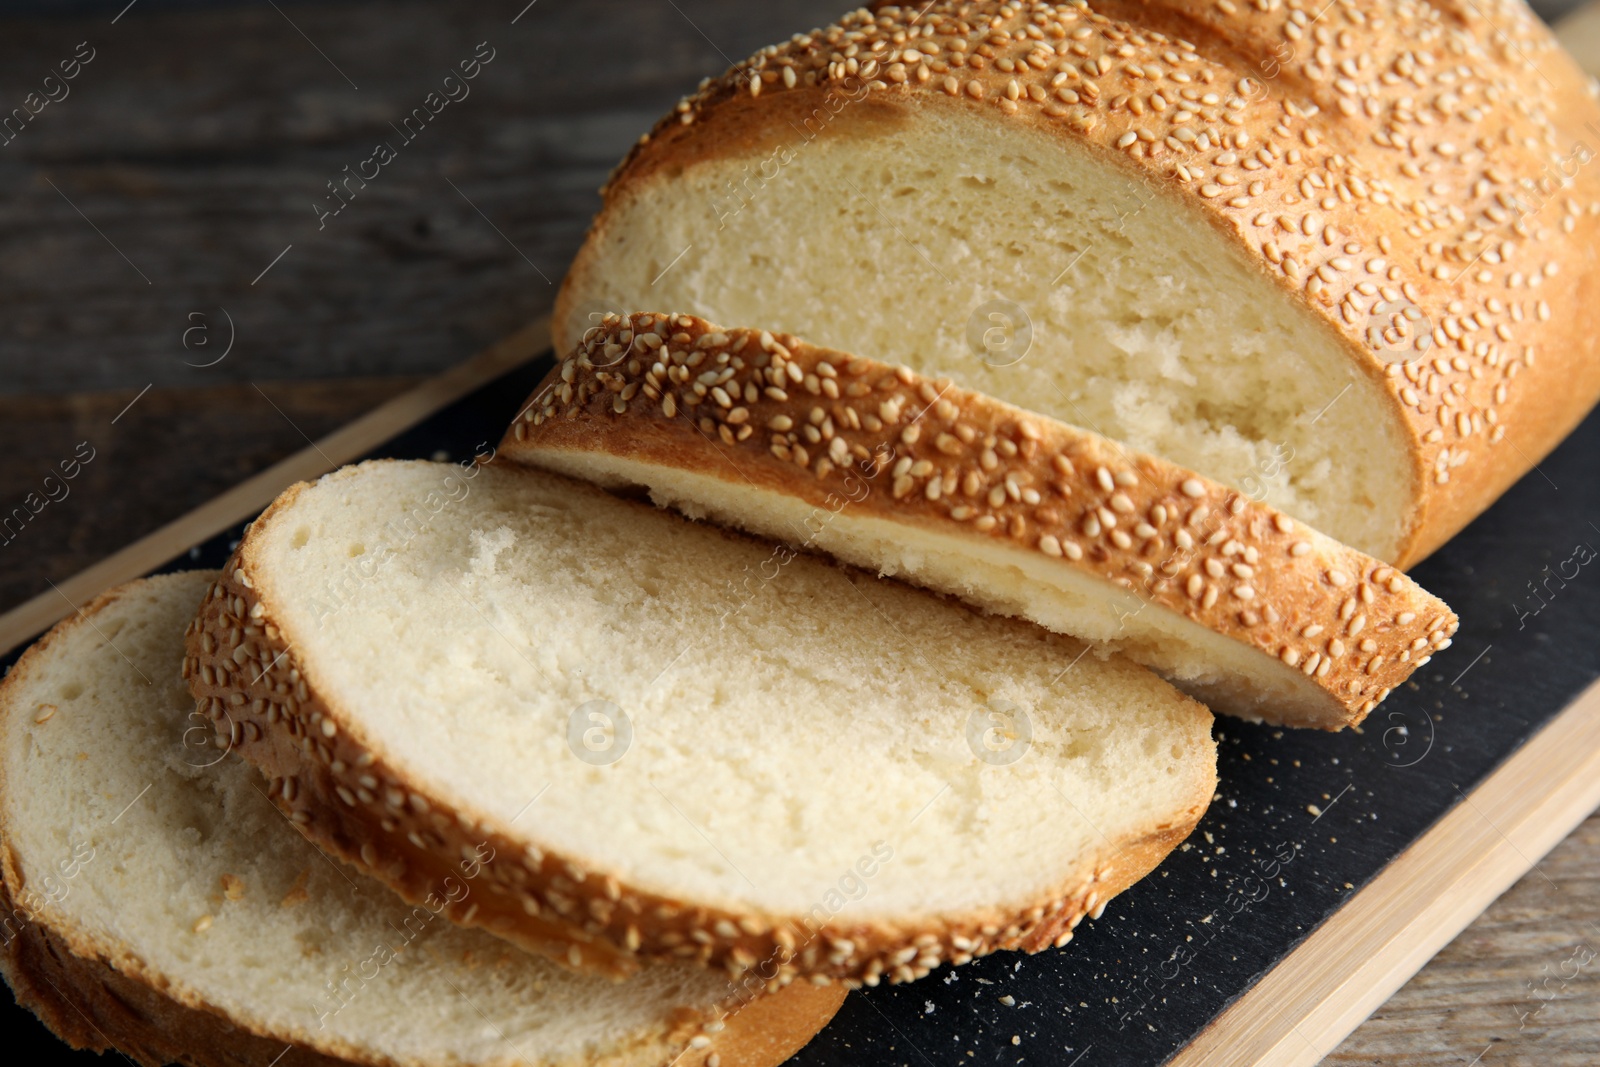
x=1329, y=868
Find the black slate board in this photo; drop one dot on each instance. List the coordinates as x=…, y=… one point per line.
x=1263, y=870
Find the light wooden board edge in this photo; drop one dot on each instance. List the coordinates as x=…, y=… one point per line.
x=1315, y=996
x=347, y=443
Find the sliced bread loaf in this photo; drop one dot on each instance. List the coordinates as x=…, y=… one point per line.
x=1230, y=232
x=158, y=904
x=680, y=742
x=1251, y=611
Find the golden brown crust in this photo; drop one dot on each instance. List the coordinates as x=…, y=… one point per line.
x=344, y=793
x=1368, y=156
x=776, y=412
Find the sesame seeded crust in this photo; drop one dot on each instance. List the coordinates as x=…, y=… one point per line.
x=1366, y=155
x=99, y=993
x=776, y=413
x=344, y=793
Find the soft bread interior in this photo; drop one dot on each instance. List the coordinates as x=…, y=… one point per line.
x=930, y=233
x=1226, y=674
x=129, y=830
x=788, y=722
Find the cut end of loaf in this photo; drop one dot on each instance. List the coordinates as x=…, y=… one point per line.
x=1170, y=222
x=1041, y=273
x=800, y=827
x=1237, y=603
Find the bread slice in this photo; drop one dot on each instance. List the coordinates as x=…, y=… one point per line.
x=1221, y=233
x=157, y=903
x=680, y=742
x=1234, y=602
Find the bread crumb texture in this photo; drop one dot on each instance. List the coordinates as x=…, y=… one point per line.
x=661, y=740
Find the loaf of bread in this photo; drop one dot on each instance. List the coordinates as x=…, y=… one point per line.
x=158, y=904
x=1340, y=252
x=1235, y=603
x=680, y=743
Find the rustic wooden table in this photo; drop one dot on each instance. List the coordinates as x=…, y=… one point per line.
x=176, y=304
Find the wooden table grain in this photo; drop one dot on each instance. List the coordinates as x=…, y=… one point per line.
x=179, y=302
